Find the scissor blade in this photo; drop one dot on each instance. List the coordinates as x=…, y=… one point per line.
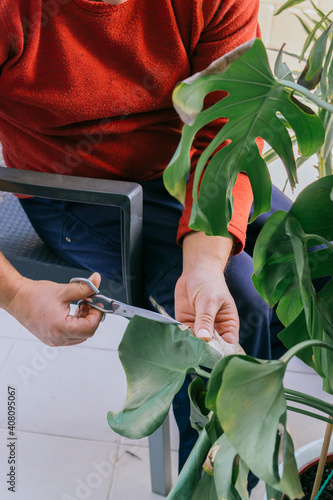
x=129, y=311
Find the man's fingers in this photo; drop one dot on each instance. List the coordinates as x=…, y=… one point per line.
x=77, y=327
x=80, y=290
x=229, y=331
x=219, y=315
x=230, y=337
x=204, y=320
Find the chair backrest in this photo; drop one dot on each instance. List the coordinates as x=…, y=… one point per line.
x=25, y=250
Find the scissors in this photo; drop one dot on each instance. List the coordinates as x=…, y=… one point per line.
x=119, y=308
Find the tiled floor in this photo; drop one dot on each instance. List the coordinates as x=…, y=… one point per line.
x=65, y=449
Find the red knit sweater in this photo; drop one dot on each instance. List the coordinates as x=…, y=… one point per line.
x=85, y=86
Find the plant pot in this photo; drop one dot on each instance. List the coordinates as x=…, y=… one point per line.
x=308, y=455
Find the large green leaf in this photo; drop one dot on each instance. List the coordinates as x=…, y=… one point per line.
x=227, y=472
x=199, y=413
x=190, y=475
x=251, y=407
x=317, y=312
x=275, y=261
x=205, y=489
x=272, y=493
x=319, y=359
x=254, y=98
x=156, y=358
x=287, y=272
x=215, y=380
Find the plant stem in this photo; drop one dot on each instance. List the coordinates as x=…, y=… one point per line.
x=311, y=405
x=322, y=460
x=308, y=413
x=308, y=94
x=306, y=399
x=302, y=345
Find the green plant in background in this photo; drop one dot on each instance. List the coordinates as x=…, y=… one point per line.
x=318, y=73
x=240, y=413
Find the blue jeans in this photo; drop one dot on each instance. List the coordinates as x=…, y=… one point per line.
x=89, y=236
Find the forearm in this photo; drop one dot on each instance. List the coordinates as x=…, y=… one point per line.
x=11, y=281
x=202, y=250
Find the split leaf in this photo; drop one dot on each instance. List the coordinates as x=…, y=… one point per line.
x=251, y=106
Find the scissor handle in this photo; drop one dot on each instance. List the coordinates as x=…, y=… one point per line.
x=94, y=306
x=88, y=282
x=119, y=308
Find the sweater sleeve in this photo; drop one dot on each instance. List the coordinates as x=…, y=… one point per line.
x=219, y=28
x=5, y=36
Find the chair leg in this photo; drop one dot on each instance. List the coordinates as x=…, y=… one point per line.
x=160, y=460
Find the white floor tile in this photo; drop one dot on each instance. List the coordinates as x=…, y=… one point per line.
x=108, y=334
x=174, y=436
x=53, y=468
x=64, y=391
x=296, y=365
x=10, y=328
x=259, y=491
x=134, y=442
x=5, y=346
x=132, y=474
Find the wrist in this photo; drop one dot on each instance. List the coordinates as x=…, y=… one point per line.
x=205, y=251
x=11, y=283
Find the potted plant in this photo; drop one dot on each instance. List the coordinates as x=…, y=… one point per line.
x=307, y=459
x=240, y=413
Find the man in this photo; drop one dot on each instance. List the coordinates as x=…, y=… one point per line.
x=85, y=89
x=43, y=307
x=109, y=113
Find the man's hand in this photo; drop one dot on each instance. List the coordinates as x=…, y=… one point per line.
x=202, y=298
x=43, y=308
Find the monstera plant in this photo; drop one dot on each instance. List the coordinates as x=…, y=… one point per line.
x=239, y=404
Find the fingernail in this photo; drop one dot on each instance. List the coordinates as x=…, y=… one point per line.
x=204, y=334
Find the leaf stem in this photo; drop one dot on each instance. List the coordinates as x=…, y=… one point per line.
x=309, y=414
x=318, y=407
x=302, y=345
x=308, y=94
x=301, y=395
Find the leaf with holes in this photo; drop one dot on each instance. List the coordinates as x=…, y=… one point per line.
x=254, y=99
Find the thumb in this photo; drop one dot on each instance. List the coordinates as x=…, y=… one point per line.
x=204, y=321
x=81, y=290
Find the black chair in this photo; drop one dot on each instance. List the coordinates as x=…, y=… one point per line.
x=33, y=259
